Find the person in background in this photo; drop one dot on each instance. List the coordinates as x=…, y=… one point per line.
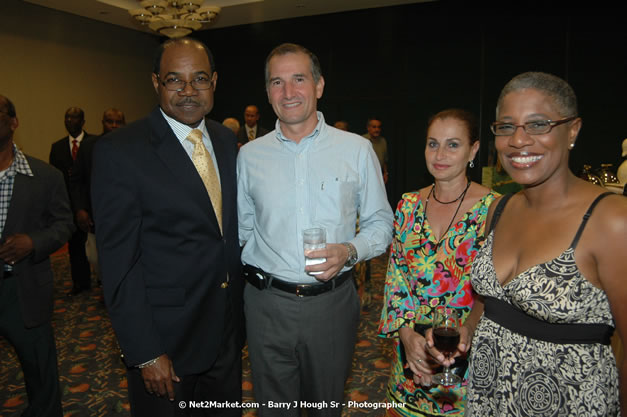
x=80, y=182
x=302, y=328
x=251, y=129
x=342, y=125
x=35, y=221
x=62, y=155
x=165, y=209
x=437, y=233
x=379, y=144
x=232, y=123
x=551, y=273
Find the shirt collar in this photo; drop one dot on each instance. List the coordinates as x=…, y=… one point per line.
x=20, y=163
x=320, y=127
x=79, y=138
x=181, y=130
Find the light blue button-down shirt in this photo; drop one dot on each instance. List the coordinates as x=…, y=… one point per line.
x=326, y=180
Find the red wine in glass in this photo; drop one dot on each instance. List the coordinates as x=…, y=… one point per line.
x=446, y=339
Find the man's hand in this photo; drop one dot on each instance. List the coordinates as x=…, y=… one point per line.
x=336, y=255
x=158, y=377
x=15, y=248
x=84, y=221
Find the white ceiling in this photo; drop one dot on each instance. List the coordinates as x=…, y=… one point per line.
x=234, y=12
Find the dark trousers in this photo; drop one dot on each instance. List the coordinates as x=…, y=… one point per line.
x=36, y=351
x=79, y=265
x=301, y=349
x=222, y=384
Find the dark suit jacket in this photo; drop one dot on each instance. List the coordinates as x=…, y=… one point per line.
x=242, y=137
x=162, y=256
x=80, y=176
x=61, y=157
x=39, y=208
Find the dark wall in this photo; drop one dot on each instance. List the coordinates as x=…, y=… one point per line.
x=403, y=64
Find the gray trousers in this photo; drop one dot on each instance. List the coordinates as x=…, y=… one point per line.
x=301, y=349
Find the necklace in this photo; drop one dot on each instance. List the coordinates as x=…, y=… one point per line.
x=452, y=201
x=461, y=198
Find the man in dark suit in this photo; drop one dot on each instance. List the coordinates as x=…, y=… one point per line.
x=62, y=155
x=166, y=229
x=80, y=181
x=251, y=129
x=35, y=220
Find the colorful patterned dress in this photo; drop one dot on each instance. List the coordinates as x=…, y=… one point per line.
x=423, y=274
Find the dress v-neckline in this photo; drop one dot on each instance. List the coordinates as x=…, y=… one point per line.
x=427, y=225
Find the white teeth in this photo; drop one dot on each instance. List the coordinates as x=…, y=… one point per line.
x=526, y=159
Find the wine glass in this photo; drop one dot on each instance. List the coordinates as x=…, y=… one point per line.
x=446, y=338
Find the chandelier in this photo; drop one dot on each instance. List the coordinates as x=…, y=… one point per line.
x=174, y=18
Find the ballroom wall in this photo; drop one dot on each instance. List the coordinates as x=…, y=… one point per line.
x=50, y=61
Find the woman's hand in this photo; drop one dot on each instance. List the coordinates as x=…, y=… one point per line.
x=418, y=360
x=465, y=337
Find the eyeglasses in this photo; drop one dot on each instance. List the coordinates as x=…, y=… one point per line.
x=537, y=127
x=201, y=82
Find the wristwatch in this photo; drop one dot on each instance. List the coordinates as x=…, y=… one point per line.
x=352, y=255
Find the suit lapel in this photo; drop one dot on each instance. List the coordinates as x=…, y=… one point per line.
x=169, y=150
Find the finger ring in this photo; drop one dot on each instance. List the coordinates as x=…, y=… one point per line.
x=419, y=361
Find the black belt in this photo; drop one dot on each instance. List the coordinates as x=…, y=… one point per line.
x=518, y=321
x=262, y=280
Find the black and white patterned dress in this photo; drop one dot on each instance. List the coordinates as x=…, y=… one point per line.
x=515, y=375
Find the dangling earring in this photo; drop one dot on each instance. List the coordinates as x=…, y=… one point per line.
x=472, y=163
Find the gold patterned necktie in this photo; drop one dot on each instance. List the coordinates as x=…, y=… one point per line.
x=207, y=171
x=251, y=134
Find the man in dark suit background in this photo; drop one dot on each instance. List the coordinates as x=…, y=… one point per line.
x=251, y=129
x=62, y=155
x=80, y=181
x=35, y=220
x=167, y=243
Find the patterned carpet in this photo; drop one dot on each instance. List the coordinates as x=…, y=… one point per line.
x=92, y=377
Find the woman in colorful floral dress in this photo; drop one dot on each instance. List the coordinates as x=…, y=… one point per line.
x=438, y=231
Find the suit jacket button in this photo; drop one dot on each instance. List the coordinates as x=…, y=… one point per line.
x=224, y=285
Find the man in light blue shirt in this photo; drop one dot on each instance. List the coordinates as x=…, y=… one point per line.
x=302, y=327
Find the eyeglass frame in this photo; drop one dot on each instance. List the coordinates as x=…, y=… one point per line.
x=552, y=124
x=211, y=81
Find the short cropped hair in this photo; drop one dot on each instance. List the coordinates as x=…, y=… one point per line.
x=553, y=86
x=156, y=65
x=292, y=48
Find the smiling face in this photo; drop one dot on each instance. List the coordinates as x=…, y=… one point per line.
x=293, y=93
x=448, y=149
x=185, y=61
x=533, y=159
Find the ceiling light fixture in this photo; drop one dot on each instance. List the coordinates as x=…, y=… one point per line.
x=174, y=18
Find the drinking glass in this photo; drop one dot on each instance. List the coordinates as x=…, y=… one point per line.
x=446, y=338
x=314, y=238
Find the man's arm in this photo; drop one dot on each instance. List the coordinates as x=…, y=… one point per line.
x=118, y=225
x=59, y=223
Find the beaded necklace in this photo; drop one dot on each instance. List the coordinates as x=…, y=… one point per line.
x=460, y=198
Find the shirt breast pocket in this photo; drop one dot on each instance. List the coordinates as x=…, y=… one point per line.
x=335, y=201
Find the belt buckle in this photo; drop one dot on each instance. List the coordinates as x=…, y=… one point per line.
x=300, y=287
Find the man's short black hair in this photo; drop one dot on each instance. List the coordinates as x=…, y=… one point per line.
x=156, y=66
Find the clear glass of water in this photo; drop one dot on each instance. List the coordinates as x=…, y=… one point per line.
x=314, y=238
